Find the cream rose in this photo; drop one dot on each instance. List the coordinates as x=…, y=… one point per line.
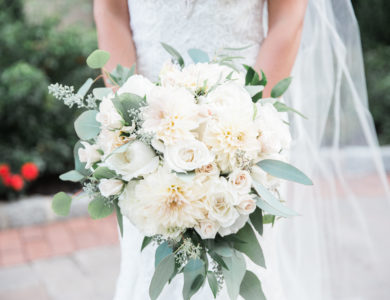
x=108, y=116
x=234, y=228
x=187, y=155
x=207, y=229
x=137, y=160
x=110, y=187
x=89, y=154
x=246, y=204
x=241, y=180
x=137, y=84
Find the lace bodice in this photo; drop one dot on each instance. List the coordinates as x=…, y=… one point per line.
x=205, y=24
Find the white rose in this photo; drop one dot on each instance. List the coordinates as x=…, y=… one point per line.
x=274, y=135
x=170, y=75
x=137, y=84
x=220, y=202
x=108, y=116
x=210, y=169
x=238, y=224
x=109, y=140
x=187, y=155
x=89, y=154
x=241, y=180
x=246, y=204
x=137, y=160
x=207, y=229
x=110, y=187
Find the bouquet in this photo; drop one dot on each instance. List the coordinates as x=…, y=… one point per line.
x=194, y=161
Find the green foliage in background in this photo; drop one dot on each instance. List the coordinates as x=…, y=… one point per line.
x=35, y=126
x=374, y=21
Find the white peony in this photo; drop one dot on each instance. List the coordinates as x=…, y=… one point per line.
x=89, y=154
x=241, y=180
x=187, y=155
x=246, y=204
x=110, y=187
x=220, y=201
x=136, y=160
x=137, y=84
x=165, y=204
x=108, y=116
x=234, y=228
x=273, y=134
x=171, y=115
x=207, y=229
x=170, y=75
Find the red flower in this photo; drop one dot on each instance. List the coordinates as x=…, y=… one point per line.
x=17, y=182
x=4, y=171
x=7, y=180
x=30, y=171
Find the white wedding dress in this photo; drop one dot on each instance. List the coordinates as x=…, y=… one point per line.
x=306, y=257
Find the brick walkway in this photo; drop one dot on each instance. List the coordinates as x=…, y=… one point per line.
x=26, y=244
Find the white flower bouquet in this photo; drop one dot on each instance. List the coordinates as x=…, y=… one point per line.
x=194, y=161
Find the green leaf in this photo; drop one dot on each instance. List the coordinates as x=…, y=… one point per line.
x=121, y=74
x=251, y=247
x=61, y=204
x=263, y=80
x=281, y=87
x=218, y=259
x=83, y=90
x=98, y=208
x=235, y=274
x=213, y=283
x=119, y=217
x=250, y=73
x=104, y=172
x=125, y=102
x=284, y=170
x=162, y=251
x=86, y=125
x=175, y=54
x=250, y=288
x=220, y=247
x=163, y=272
x=194, y=276
x=73, y=176
x=257, y=220
x=281, y=107
x=97, y=59
x=269, y=219
x=146, y=241
x=198, y=56
x=270, y=204
x=254, y=89
x=100, y=93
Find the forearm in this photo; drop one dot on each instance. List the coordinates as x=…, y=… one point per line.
x=279, y=49
x=114, y=34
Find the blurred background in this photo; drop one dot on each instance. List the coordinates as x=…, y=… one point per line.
x=47, y=41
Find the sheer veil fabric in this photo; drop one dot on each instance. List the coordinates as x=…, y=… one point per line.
x=337, y=249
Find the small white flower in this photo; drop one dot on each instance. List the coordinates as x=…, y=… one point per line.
x=137, y=160
x=110, y=187
x=187, y=155
x=137, y=84
x=89, y=154
x=241, y=180
x=108, y=116
x=207, y=229
x=234, y=228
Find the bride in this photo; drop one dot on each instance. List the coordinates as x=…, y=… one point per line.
x=331, y=251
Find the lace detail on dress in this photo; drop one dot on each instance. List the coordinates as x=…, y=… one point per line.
x=206, y=24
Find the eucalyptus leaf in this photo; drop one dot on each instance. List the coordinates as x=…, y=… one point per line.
x=251, y=247
x=61, y=204
x=121, y=74
x=98, y=208
x=250, y=288
x=174, y=53
x=213, y=283
x=126, y=102
x=284, y=170
x=281, y=107
x=277, y=208
x=218, y=258
x=198, y=56
x=268, y=219
x=72, y=175
x=162, y=274
x=162, y=251
x=281, y=87
x=86, y=125
x=235, y=274
x=146, y=241
x=194, y=276
x=119, y=217
x=254, y=89
x=220, y=247
x=257, y=220
x=83, y=90
x=97, y=59
x=103, y=172
x=101, y=92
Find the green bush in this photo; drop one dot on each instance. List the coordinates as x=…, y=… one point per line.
x=35, y=126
